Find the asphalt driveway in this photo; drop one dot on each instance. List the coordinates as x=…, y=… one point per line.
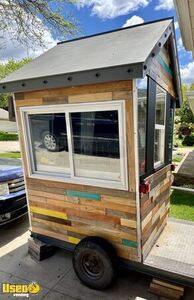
x=55, y=274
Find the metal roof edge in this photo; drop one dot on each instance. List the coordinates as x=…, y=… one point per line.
x=163, y=39
x=118, y=73
x=115, y=30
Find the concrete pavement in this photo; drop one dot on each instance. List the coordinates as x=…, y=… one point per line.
x=55, y=274
x=7, y=146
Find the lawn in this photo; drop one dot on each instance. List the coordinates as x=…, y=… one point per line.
x=8, y=136
x=177, y=158
x=16, y=154
x=182, y=205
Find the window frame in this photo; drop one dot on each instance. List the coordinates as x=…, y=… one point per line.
x=150, y=129
x=118, y=105
x=158, y=164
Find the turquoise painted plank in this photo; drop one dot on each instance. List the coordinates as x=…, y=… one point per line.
x=129, y=243
x=164, y=65
x=90, y=196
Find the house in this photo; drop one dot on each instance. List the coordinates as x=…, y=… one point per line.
x=185, y=14
x=5, y=124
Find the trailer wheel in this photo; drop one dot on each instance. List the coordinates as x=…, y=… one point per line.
x=93, y=262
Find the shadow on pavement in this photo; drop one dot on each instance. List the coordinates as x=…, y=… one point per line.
x=13, y=230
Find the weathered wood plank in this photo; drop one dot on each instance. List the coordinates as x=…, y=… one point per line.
x=82, y=89
x=90, y=97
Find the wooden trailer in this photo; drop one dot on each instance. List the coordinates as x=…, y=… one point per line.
x=95, y=120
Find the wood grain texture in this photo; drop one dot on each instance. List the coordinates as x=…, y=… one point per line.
x=155, y=208
x=162, y=71
x=70, y=212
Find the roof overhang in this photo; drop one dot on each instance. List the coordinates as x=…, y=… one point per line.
x=119, y=73
x=119, y=61
x=185, y=14
x=190, y=97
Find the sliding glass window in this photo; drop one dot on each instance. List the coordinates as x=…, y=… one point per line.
x=81, y=143
x=160, y=119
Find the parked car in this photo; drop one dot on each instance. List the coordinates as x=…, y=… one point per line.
x=93, y=133
x=13, y=203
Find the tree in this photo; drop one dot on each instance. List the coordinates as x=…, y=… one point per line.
x=184, y=121
x=6, y=69
x=185, y=113
x=26, y=20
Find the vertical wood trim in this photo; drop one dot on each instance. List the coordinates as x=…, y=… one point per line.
x=130, y=143
x=138, y=218
x=123, y=145
x=25, y=136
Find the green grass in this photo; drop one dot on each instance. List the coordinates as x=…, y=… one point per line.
x=10, y=155
x=8, y=136
x=182, y=205
x=177, y=158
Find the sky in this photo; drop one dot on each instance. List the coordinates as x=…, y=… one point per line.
x=96, y=16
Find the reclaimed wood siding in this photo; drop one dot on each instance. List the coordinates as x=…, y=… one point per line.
x=155, y=208
x=162, y=71
x=70, y=212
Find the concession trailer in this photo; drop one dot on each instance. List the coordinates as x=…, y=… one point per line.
x=95, y=118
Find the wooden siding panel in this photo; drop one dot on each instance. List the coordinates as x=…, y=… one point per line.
x=161, y=71
x=70, y=212
x=155, y=208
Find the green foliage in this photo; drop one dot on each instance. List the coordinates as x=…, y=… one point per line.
x=177, y=158
x=188, y=140
x=184, y=121
x=6, y=136
x=182, y=205
x=185, y=114
x=26, y=20
x=10, y=155
x=6, y=69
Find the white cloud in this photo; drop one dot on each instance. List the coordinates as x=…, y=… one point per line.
x=109, y=9
x=10, y=48
x=187, y=73
x=180, y=44
x=165, y=4
x=133, y=21
x=176, y=25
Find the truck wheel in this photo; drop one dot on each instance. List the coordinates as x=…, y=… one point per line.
x=50, y=142
x=93, y=262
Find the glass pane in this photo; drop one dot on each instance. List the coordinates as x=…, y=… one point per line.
x=142, y=122
x=159, y=143
x=96, y=144
x=49, y=143
x=160, y=106
x=170, y=136
x=159, y=146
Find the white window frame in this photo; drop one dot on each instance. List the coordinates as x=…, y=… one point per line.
x=162, y=128
x=118, y=105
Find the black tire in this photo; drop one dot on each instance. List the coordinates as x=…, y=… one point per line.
x=94, y=262
x=53, y=146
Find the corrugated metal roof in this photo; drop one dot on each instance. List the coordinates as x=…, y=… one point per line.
x=127, y=46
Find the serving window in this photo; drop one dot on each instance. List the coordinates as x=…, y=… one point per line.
x=160, y=118
x=83, y=143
